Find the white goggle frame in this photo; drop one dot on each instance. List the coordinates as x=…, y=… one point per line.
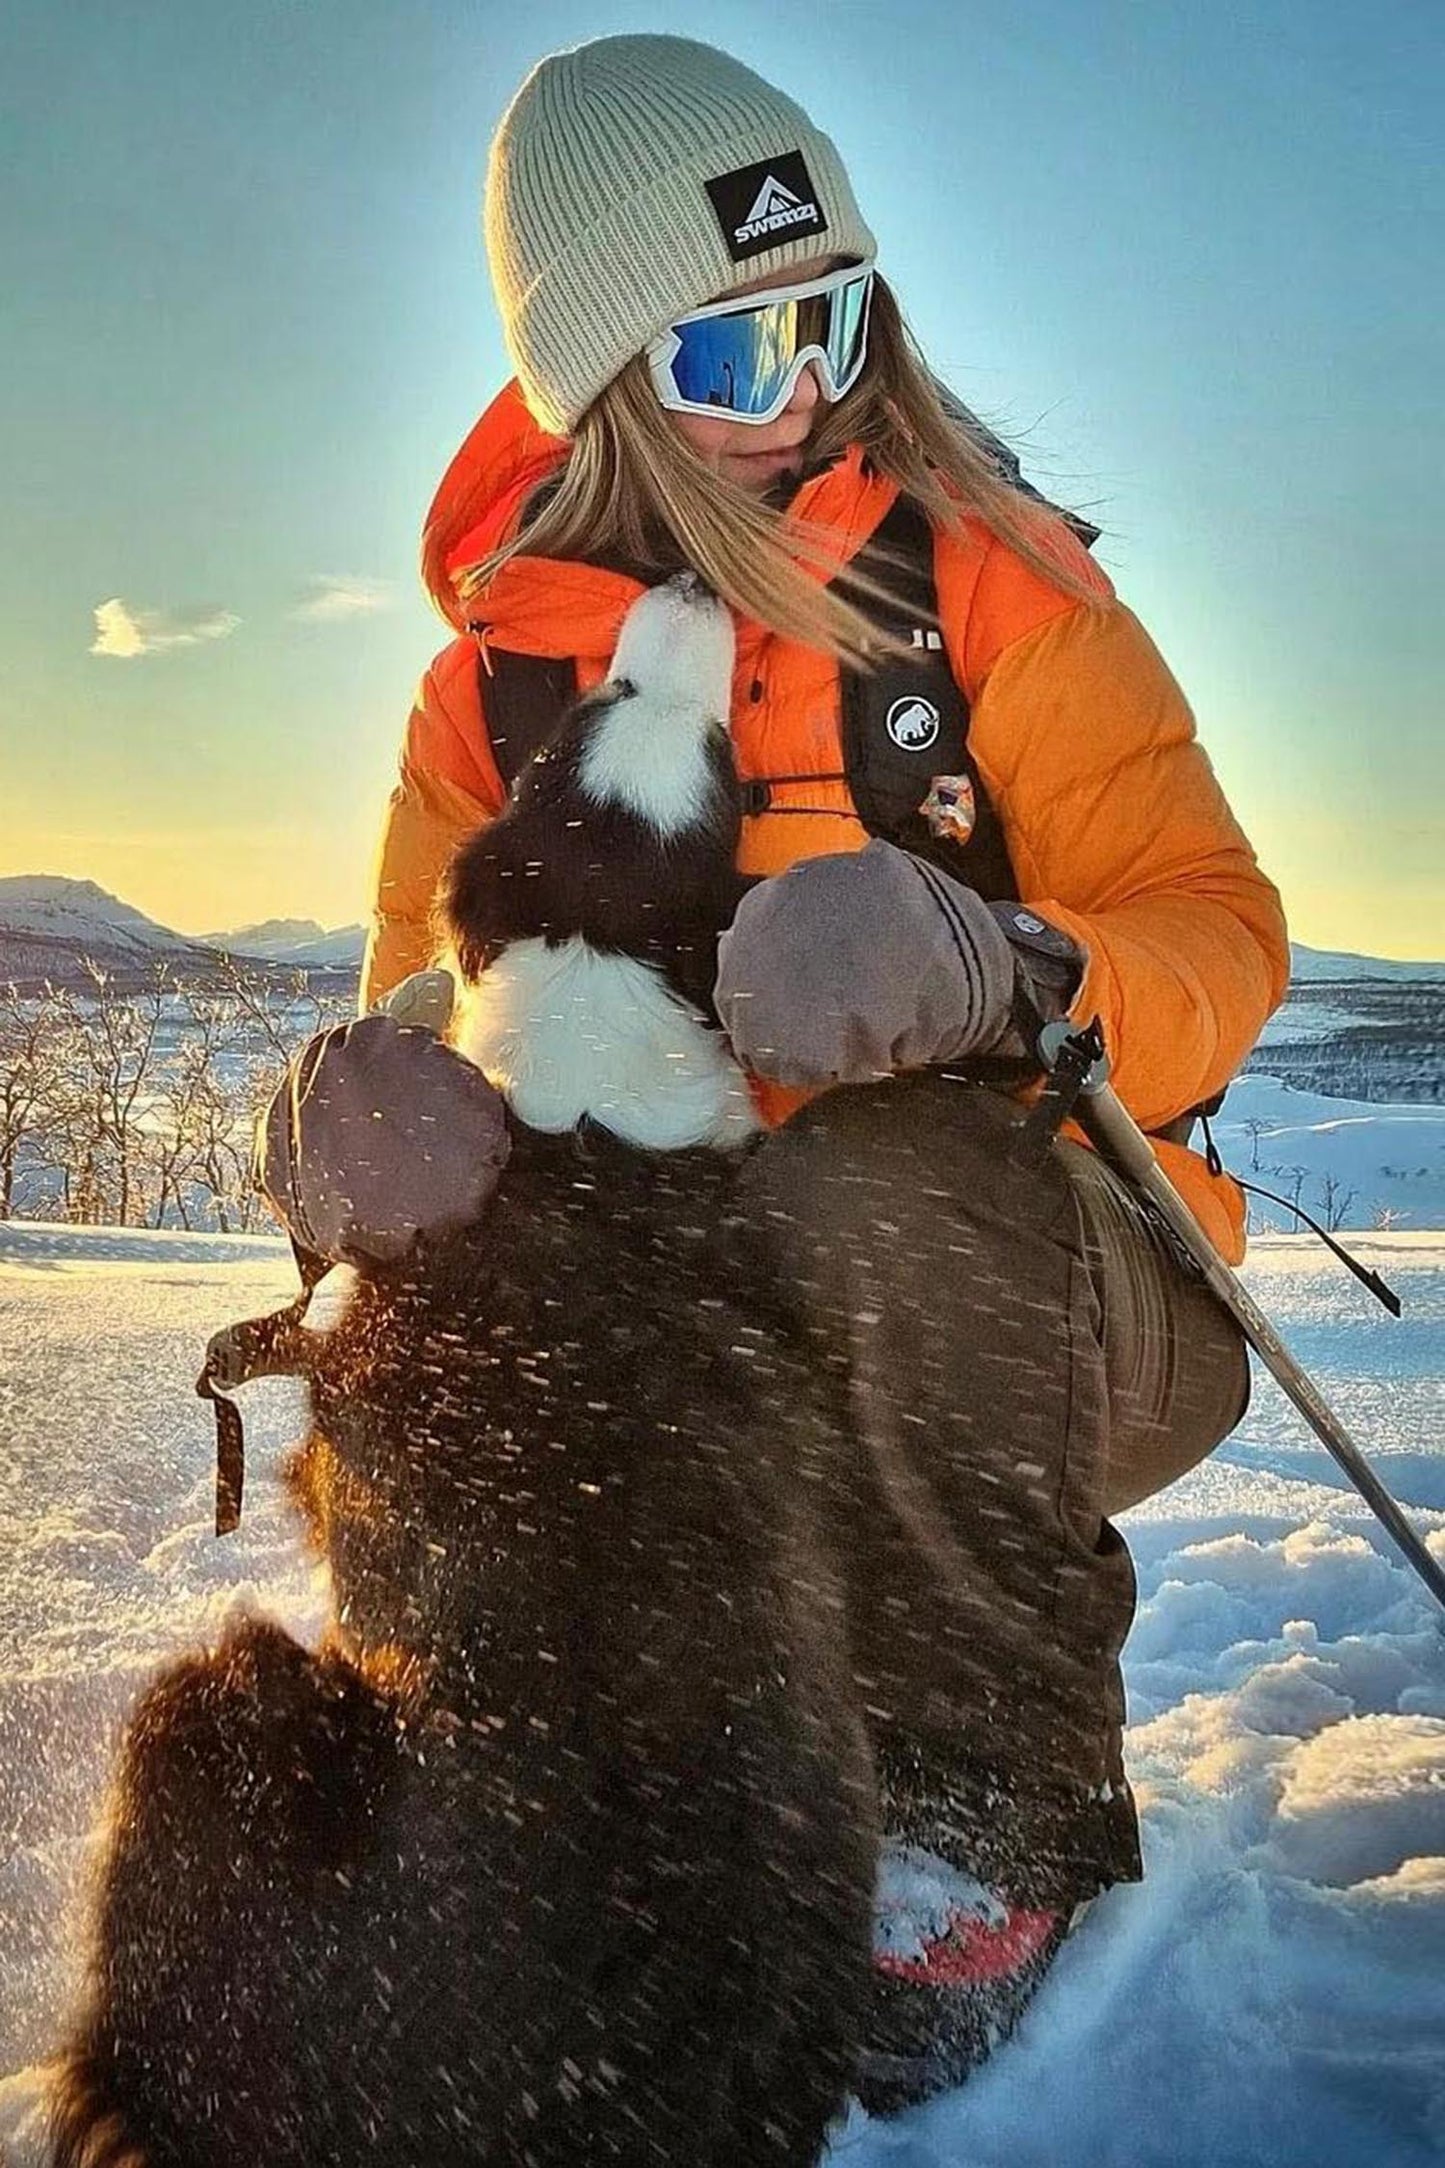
x=663, y=351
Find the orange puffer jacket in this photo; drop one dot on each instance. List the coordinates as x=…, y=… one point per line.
x=1115, y=825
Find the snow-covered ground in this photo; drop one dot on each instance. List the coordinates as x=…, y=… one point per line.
x=1273, y=1994
x=1385, y=1159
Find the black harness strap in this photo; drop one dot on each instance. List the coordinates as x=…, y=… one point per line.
x=524, y=698
x=905, y=724
x=275, y=1345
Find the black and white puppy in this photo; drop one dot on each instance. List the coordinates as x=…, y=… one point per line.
x=560, y=1850
x=585, y=921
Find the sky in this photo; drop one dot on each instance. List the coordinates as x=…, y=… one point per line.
x=1185, y=257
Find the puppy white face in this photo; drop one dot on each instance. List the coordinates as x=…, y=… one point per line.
x=671, y=690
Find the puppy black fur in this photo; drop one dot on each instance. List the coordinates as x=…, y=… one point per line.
x=564, y=863
x=562, y=1850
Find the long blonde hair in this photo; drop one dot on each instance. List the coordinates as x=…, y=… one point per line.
x=636, y=494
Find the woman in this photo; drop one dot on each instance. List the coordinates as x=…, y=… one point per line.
x=711, y=373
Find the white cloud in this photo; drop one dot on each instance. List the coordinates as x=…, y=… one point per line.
x=125, y=633
x=332, y=598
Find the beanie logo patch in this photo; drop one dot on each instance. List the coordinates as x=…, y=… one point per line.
x=760, y=206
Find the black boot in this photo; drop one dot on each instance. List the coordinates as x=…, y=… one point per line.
x=954, y=1965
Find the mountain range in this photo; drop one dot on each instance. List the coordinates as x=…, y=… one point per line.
x=292, y=941
x=49, y=926
x=52, y=926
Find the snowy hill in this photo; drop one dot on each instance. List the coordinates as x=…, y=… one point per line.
x=1272, y=1994
x=54, y=931
x=51, y=927
x=1358, y=1027
x=1307, y=964
x=79, y=912
x=1353, y=1163
x=301, y=941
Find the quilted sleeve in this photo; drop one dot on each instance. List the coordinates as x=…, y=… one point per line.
x=1120, y=834
x=448, y=787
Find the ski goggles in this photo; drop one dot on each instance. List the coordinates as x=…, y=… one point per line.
x=742, y=358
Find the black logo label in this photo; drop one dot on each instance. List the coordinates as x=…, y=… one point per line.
x=760, y=206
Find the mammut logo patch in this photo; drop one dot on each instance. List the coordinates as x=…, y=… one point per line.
x=760, y=206
x=913, y=724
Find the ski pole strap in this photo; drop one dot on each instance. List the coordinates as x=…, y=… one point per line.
x=256, y=1347
x=1378, y=1285
x=230, y=1452
x=1075, y=1061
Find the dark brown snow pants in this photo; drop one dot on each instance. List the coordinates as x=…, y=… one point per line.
x=1013, y=1352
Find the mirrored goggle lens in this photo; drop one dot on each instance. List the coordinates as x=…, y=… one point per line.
x=740, y=363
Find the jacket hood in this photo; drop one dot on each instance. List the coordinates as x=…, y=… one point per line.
x=541, y=606
x=502, y=458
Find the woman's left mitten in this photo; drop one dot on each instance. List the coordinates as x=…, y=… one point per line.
x=855, y=966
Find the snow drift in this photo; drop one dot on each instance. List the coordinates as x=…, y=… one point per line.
x=1273, y=1993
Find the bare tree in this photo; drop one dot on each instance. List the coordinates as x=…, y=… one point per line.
x=1337, y=1201
x=112, y=1061
x=281, y=1014
x=169, y=1137
x=29, y=1025
x=221, y=1168
x=208, y=1103
x=268, y=1017
x=138, y=1107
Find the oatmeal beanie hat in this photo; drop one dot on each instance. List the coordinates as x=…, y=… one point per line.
x=631, y=180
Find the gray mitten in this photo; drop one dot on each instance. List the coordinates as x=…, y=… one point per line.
x=381, y=1134
x=851, y=967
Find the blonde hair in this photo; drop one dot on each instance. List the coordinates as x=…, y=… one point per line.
x=635, y=494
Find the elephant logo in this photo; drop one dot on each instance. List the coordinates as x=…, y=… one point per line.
x=913, y=724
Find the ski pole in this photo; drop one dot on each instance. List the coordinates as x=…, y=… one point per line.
x=1081, y=1056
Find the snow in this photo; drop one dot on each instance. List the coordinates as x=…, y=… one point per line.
x=1384, y=1157
x=1273, y=1993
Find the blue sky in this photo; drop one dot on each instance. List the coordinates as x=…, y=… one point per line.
x=1187, y=256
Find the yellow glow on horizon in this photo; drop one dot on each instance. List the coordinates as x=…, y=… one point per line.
x=206, y=878
x=1404, y=923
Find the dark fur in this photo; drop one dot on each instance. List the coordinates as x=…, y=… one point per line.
x=561, y=864
x=562, y=1851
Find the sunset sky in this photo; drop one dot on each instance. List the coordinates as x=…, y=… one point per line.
x=1187, y=257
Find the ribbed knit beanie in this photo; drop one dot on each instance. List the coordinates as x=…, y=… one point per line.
x=631, y=180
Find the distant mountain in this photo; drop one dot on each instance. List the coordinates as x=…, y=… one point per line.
x=1358, y=1027
x=268, y=935
x=1308, y=965
x=297, y=941
x=53, y=928
x=49, y=906
x=294, y=941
